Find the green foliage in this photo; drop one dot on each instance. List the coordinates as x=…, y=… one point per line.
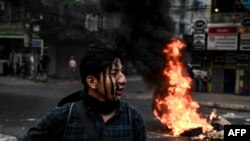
x=55, y=32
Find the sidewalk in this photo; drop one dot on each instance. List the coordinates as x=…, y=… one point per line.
x=7, y=138
x=225, y=101
x=9, y=80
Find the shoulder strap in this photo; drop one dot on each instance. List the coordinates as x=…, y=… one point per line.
x=131, y=122
x=87, y=122
x=70, y=110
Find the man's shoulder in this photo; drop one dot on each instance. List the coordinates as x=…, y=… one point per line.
x=61, y=110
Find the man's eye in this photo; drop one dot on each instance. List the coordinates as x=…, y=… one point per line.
x=113, y=73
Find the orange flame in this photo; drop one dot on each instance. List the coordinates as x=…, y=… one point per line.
x=177, y=110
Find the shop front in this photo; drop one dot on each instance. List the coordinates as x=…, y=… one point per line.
x=12, y=47
x=230, y=58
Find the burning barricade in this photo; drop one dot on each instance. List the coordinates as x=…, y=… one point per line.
x=174, y=106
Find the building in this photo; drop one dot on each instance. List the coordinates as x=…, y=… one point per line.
x=26, y=25
x=217, y=35
x=218, y=42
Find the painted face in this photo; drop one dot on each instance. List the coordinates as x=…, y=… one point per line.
x=112, y=81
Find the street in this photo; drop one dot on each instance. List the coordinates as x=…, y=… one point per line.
x=207, y=40
x=23, y=104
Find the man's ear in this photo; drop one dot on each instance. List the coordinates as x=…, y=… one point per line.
x=91, y=81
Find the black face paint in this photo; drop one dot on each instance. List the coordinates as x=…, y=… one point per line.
x=116, y=68
x=111, y=84
x=114, y=84
x=104, y=73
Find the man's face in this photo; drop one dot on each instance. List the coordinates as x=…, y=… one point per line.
x=112, y=81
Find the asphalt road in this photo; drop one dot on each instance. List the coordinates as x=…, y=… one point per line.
x=23, y=104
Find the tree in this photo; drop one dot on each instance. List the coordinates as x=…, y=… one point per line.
x=67, y=27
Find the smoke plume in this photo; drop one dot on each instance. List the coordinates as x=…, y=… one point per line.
x=145, y=29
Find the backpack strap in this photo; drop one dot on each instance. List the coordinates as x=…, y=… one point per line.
x=87, y=122
x=131, y=122
x=70, y=110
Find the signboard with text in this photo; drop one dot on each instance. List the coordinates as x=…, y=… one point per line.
x=245, y=42
x=199, y=42
x=222, y=38
x=222, y=42
x=199, y=34
x=245, y=38
x=37, y=43
x=11, y=30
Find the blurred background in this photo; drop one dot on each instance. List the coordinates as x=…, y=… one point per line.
x=216, y=33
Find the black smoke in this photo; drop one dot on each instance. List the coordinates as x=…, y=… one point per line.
x=145, y=29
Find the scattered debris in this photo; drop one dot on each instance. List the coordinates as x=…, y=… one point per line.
x=217, y=133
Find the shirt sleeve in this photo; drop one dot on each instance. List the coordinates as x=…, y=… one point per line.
x=48, y=127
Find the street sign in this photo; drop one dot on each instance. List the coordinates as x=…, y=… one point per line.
x=199, y=24
x=245, y=22
x=38, y=43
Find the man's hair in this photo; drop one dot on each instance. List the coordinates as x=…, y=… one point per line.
x=96, y=59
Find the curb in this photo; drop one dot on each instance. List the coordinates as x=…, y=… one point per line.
x=7, y=138
x=205, y=103
x=225, y=106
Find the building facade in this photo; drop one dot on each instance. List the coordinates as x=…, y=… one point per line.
x=23, y=21
x=217, y=35
x=218, y=43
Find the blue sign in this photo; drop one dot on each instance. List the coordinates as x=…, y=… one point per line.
x=38, y=43
x=246, y=4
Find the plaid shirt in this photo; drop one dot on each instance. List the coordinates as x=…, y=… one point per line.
x=126, y=125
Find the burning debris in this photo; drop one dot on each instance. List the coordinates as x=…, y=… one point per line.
x=174, y=106
x=217, y=133
x=217, y=121
x=192, y=132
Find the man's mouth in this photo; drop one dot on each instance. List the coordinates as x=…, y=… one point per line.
x=119, y=92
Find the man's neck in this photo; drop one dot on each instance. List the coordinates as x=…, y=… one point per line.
x=102, y=107
x=106, y=117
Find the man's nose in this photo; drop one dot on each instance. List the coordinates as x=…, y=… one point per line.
x=122, y=79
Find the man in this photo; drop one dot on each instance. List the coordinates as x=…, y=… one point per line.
x=103, y=78
x=45, y=60
x=72, y=67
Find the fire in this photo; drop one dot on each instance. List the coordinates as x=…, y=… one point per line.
x=177, y=110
